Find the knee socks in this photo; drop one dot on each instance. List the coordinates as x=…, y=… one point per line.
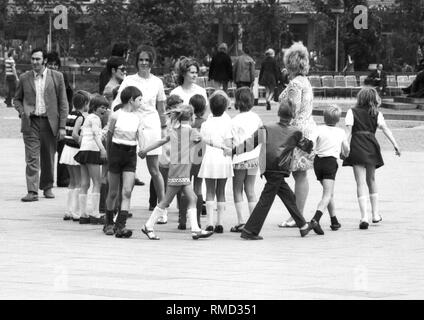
x=209, y=211
x=157, y=212
x=220, y=212
x=75, y=207
x=239, y=211
x=83, y=205
x=317, y=216
x=374, y=205
x=362, y=201
x=69, y=198
x=252, y=206
x=192, y=216
x=95, y=202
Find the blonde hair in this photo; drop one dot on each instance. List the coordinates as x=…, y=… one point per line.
x=332, y=115
x=368, y=99
x=296, y=59
x=181, y=113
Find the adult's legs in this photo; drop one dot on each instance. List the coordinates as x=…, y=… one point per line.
x=287, y=196
x=32, y=156
x=301, y=190
x=48, y=144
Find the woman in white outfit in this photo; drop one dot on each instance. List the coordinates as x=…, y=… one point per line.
x=152, y=110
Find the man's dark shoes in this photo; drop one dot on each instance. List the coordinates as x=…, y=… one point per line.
x=30, y=197
x=316, y=226
x=123, y=232
x=182, y=226
x=109, y=230
x=209, y=228
x=48, y=194
x=245, y=234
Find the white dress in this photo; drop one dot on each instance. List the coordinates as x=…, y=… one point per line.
x=152, y=90
x=214, y=164
x=187, y=94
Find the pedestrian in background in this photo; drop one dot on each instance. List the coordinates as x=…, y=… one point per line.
x=244, y=70
x=269, y=76
x=11, y=78
x=221, y=68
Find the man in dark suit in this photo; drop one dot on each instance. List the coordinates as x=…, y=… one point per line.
x=378, y=79
x=42, y=105
x=221, y=68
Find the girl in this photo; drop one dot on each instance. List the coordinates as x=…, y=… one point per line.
x=362, y=122
x=181, y=137
x=74, y=121
x=125, y=130
x=330, y=142
x=91, y=156
x=216, y=167
x=245, y=165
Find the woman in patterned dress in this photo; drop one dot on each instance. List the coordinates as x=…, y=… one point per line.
x=300, y=95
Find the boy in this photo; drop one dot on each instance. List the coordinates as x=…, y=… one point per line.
x=330, y=141
x=279, y=136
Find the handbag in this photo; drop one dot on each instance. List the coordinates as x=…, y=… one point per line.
x=302, y=160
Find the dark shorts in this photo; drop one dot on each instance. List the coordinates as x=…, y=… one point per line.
x=122, y=158
x=325, y=168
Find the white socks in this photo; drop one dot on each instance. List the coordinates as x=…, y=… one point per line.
x=239, y=210
x=157, y=212
x=209, y=211
x=192, y=216
x=252, y=206
x=83, y=205
x=75, y=209
x=374, y=206
x=68, y=211
x=95, y=202
x=220, y=212
x=362, y=201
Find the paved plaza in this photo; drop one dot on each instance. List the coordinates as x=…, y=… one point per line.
x=44, y=257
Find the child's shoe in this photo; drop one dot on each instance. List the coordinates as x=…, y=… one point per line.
x=67, y=217
x=219, y=229
x=99, y=220
x=335, y=225
x=201, y=234
x=317, y=227
x=84, y=220
x=209, y=228
x=363, y=225
x=109, y=230
x=120, y=230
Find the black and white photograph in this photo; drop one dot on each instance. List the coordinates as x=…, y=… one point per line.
x=212, y=155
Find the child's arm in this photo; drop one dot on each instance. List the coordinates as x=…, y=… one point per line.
x=388, y=133
x=345, y=149
x=142, y=154
x=253, y=141
x=97, y=131
x=75, y=132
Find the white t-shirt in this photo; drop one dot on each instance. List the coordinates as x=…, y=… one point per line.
x=128, y=127
x=329, y=141
x=151, y=89
x=187, y=94
x=349, y=120
x=243, y=126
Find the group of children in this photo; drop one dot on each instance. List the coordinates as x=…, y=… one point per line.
x=216, y=148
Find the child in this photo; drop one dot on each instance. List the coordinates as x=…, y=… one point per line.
x=278, y=137
x=181, y=137
x=74, y=121
x=198, y=102
x=171, y=102
x=330, y=141
x=216, y=167
x=91, y=156
x=362, y=122
x=125, y=130
x=246, y=164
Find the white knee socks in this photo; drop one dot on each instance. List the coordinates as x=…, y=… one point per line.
x=68, y=211
x=362, y=201
x=239, y=210
x=95, y=202
x=209, y=211
x=374, y=206
x=157, y=212
x=252, y=206
x=220, y=212
x=75, y=203
x=192, y=216
x=83, y=205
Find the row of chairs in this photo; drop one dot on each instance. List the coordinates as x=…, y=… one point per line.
x=340, y=85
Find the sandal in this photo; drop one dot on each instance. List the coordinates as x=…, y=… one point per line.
x=237, y=228
x=149, y=233
x=287, y=224
x=377, y=220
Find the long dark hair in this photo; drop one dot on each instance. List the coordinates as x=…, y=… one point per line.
x=368, y=99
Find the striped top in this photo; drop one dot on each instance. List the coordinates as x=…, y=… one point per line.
x=9, y=64
x=70, y=124
x=128, y=127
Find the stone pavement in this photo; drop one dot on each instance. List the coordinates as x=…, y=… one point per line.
x=44, y=257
